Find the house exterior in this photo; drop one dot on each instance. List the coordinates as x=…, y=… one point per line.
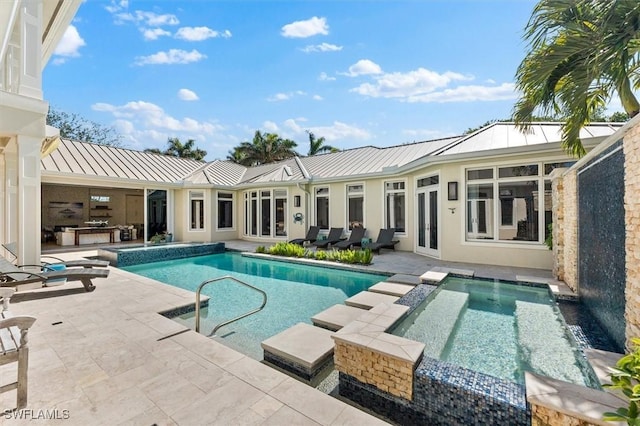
x=482, y=198
x=29, y=32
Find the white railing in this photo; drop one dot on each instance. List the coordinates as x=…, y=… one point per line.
x=10, y=69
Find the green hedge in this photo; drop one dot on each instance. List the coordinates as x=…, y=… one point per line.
x=360, y=257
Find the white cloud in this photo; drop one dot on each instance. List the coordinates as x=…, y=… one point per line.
x=471, y=93
x=324, y=77
x=411, y=84
x=363, y=67
x=270, y=126
x=317, y=98
x=187, y=95
x=324, y=47
x=69, y=45
x=199, y=33
x=145, y=125
x=173, y=56
x=304, y=29
x=279, y=97
x=154, y=20
x=154, y=33
x=337, y=131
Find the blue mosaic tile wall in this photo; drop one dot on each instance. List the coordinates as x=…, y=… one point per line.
x=156, y=253
x=601, y=241
x=445, y=394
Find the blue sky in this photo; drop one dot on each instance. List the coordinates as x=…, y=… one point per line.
x=358, y=73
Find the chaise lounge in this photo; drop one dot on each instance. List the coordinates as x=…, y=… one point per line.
x=355, y=239
x=312, y=235
x=385, y=240
x=335, y=236
x=14, y=346
x=82, y=263
x=14, y=276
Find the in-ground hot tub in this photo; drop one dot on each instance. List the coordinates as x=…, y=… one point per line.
x=134, y=255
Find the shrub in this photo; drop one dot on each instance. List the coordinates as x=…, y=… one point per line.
x=626, y=377
x=549, y=240
x=288, y=249
x=363, y=257
x=261, y=249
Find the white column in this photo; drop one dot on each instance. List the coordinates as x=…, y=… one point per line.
x=28, y=200
x=31, y=46
x=10, y=203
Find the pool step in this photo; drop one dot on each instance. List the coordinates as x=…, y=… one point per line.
x=337, y=316
x=538, y=330
x=434, y=326
x=369, y=299
x=404, y=279
x=303, y=349
x=392, y=289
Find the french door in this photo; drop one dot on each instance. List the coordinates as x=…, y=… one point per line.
x=428, y=237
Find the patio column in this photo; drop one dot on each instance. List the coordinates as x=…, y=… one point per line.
x=29, y=209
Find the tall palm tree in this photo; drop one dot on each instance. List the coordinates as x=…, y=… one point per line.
x=316, y=146
x=581, y=53
x=177, y=149
x=263, y=149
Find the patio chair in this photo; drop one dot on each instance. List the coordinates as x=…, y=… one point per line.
x=312, y=235
x=385, y=240
x=355, y=239
x=14, y=276
x=14, y=347
x=335, y=235
x=84, y=263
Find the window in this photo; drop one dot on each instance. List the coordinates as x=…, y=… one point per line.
x=280, y=197
x=503, y=203
x=196, y=200
x=322, y=207
x=265, y=210
x=395, y=205
x=355, y=206
x=225, y=210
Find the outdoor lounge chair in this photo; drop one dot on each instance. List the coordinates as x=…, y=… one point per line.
x=84, y=263
x=14, y=346
x=335, y=236
x=13, y=276
x=355, y=239
x=311, y=236
x=385, y=240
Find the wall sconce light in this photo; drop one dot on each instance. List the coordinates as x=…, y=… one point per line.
x=452, y=209
x=452, y=190
x=296, y=201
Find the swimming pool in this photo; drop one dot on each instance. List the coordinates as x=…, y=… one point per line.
x=496, y=328
x=295, y=293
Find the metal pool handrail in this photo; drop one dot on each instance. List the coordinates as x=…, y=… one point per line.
x=201, y=286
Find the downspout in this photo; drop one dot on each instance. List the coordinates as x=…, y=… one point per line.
x=307, y=197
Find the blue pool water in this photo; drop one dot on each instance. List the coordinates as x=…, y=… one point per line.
x=498, y=329
x=295, y=293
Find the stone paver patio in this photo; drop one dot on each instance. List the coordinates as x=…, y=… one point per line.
x=108, y=357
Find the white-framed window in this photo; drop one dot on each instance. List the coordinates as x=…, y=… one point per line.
x=322, y=207
x=263, y=209
x=503, y=203
x=196, y=210
x=225, y=210
x=355, y=205
x=395, y=205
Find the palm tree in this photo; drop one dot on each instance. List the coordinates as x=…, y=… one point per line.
x=581, y=52
x=263, y=149
x=316, y=146
x=178, y=149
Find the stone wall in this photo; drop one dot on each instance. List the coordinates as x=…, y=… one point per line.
x=542, y=416
x=386, y=373
x=557, y=218
x=565, y=226
x=570, y=254
x=631, y=146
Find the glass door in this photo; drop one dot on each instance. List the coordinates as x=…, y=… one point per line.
x=428, y=241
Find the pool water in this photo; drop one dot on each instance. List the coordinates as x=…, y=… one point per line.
x=295, y=293
x=496, y=328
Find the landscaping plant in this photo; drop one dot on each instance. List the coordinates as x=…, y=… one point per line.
x=626, y=378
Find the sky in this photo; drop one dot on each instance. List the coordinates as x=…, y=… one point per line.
x=374, y=72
